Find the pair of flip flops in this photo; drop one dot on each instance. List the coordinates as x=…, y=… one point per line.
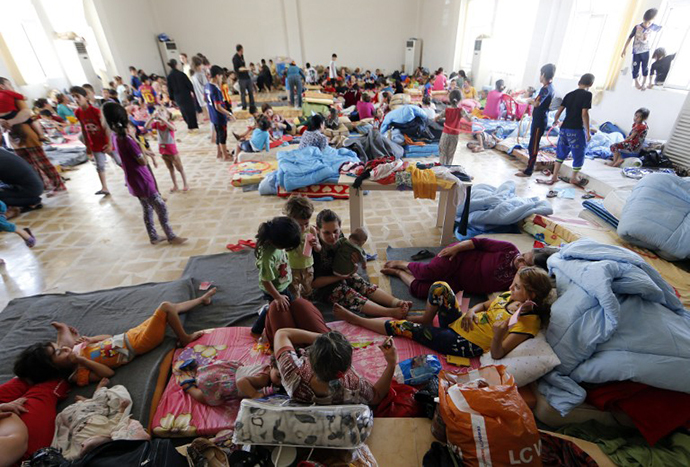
x=582, y=182
x=422, y=254
x=240, y=245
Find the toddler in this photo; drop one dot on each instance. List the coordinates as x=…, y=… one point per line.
x=349, y=253
x=222, y=381
x=85, y=360
x=273, y=240
x=161, y=122
x=259, y=141
x=633, y=143
x=300, y=209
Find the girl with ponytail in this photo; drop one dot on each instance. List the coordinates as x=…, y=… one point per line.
x=138, y=176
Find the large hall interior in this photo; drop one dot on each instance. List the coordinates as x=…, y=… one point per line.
x=373, y=233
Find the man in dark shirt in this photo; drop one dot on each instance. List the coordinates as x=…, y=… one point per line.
x=574, y=134
x=660, y=67
x=244, y=79
x=539, y=116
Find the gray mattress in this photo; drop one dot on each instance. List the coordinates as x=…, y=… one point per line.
x=27, y=320
x=66, y=157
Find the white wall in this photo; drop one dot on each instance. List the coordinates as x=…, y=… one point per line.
x=130, y=28
x=438, y=28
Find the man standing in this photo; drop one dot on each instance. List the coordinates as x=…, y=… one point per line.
x=244, y=79
x=332, y=71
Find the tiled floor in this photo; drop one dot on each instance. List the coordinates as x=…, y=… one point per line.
x=86, y=242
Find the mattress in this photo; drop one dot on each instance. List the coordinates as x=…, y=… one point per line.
x=251, y=172
x=178, y=415
x=312, y=100
x=322, y=190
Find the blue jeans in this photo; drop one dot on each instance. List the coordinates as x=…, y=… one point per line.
x=640, y=62
x=295, y=86
x=572, y=141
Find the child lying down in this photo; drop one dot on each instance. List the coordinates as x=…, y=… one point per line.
x=83, y=360
x=221, y=381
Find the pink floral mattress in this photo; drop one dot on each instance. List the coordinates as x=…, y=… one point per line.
x=178, y=415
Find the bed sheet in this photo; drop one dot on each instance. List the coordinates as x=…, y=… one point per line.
x=178, y=415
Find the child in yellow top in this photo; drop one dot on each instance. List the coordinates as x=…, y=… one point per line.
x=483, y=328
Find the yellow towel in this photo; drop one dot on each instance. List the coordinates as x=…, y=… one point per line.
x=423, y=183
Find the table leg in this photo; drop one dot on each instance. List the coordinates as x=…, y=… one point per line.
x=451, y=208
x=356, y=208
x=442, y=202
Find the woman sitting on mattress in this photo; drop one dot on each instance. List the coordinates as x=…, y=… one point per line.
x=497, y=325
x=353, y=292
x=478, y=265
x=323, y=373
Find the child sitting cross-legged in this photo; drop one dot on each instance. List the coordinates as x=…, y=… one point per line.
x=85, y=360
x=222, y=381
x=484, y=328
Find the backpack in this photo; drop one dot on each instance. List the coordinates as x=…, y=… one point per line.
x=653, y=158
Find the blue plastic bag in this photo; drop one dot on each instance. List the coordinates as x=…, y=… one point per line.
x=417, y=370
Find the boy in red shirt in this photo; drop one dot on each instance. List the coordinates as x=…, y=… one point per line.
x=96, y=134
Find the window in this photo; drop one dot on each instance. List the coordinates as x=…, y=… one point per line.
x=508, y=24
x=590, y=38
x=675, y=38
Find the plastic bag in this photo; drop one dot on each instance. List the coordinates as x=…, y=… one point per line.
x=487, y=421
x=417, y=370
x=399, y=402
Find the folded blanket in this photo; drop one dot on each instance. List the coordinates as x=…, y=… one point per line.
x=494, y=209
x=597, y=207
x=310, y=166
x=615, y=319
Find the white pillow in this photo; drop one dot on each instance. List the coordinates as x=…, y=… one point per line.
x=527, y=362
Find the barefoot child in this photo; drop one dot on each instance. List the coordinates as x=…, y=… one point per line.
x=641, y=37
x=539, y=116
x=96, y=135
x=574, y=134
x=482, y=329
x=300, y=209
x=138, y=176
x=633, y=143
x=273, y=239
x=161, y=121
x=87, y=360
x=217, y=112
x=451, y=128
x=222, y=381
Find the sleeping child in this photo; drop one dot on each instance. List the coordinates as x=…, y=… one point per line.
x=222, y=381
x=85, y=360
x=349, y=253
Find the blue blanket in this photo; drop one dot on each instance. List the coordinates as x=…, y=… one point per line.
x=597, y=207
x=615, y=319
x=498, y=209
x=403, y=114
x=657, y=216
x=428, y=150
x=310, y=166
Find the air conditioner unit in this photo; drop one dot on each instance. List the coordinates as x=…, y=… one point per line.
x=77, y=63
x=168, y=51
x=413, y=54
x=481, y=62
